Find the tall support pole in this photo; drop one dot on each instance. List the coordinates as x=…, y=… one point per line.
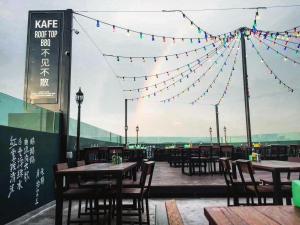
x=126, y=126
x=246, y=89
x=217, y=123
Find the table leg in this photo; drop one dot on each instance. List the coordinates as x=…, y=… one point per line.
x=119, y=199
x=134, y=173
x=277, y=197
x=59, y=200
x=234, y=175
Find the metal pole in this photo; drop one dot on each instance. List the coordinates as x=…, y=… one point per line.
x=137, y=137
x=217, y=124
x=78, y=134
x=246, y=89
x=126, y=126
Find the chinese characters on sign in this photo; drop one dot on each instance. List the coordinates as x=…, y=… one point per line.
x=40, y=180
x=44, y=42
x=22, y=152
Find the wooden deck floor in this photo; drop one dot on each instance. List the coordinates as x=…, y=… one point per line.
x=170, y=182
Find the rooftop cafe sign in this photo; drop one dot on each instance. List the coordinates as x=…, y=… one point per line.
x=44, y=43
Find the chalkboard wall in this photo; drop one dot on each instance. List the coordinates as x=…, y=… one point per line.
x=26, y=177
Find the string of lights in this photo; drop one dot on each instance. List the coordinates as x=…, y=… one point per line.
x=195, y=81
x=285, y=57
x=174, y=83
x=190, y=70
x=153, y=37
x=216, y=77
x=223, y=36
x=157, y=75
x=166, y=57
x=229, y=80
x=285, y=46
x=284, y=35
x=270, y=70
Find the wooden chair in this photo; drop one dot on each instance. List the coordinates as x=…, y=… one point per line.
x=100, y=184
x=139, y=193
x=71, y=194
x=234, y=186
x=260, y=191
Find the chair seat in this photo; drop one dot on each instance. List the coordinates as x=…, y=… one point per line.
x=130, y=184
x=268, y=188
x=284, y=181
x=80, y=193
x=132, y=192
x=98, y=184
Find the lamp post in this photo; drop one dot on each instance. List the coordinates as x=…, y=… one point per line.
x=210, y=134
x=225, y=135
x=137, y=134
x=79, y=100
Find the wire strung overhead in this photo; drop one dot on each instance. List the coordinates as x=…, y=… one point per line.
x=191, y=69
x=197, y=81
x=271, y=72
x=165, y=57
x=285, y=45
x=178, y=80
x=164, y=38
x=285, y=57
x=188, y=65
x=206, y=34
x=229, y=79
x=216, y=77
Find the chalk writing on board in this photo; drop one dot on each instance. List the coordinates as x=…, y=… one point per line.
x=40, y=180
x=22, y=152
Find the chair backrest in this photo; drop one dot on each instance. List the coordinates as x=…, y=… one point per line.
x=205, y=150
x=59, y=167
x=245, y=166
x=80, y=163
x=294, y=159
x=227, y=150
x=146, y=176
x=225, y=162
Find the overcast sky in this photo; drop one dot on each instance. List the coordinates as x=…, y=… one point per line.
x=273, y=108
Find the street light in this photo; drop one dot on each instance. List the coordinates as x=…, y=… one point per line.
x=210, y=134
x=79, y=100
x=137, y=134
x=225, y=135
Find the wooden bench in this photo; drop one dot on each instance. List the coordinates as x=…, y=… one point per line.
x=168, y=214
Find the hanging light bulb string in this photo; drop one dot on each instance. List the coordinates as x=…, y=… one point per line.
x=270, y=70
x=210, y=86
x=141, y=34
x=166, y=57
x=193, y=85
x=229, y=80
x=174, y=83
x=157, y=75
x=224, y=36
x=255, y=21
x=277, y=34
x=275, y=50
x=285, y=46
x=190, y=70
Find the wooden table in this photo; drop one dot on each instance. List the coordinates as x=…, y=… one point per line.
x=276, y=168
x=256, y=215
x=117, y=171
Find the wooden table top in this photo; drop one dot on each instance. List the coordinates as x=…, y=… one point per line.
x=256, y=215
x=276, y=164
x=99, y=167
x=270, y=165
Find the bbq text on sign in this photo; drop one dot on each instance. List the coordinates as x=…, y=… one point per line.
x=43, y=57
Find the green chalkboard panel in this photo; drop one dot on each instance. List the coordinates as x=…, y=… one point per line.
x=26, y=177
